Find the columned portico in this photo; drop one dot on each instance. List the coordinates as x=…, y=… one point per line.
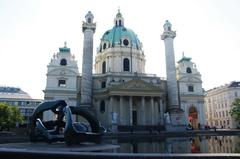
x=148, y=110
x=133, y=103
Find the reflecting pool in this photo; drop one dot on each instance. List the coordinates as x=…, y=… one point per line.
x=203, y=144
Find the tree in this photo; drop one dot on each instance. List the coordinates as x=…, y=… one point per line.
x=4, y=115
x=15, y=116
x=9, y=116
x=235, y=111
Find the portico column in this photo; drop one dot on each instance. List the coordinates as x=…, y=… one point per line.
x=201, y=114
x=130, y=110
x=152, y=111
x=143, y=111
x=110, y=110
x=121, y=110
x=107, y=67
x=161, y=112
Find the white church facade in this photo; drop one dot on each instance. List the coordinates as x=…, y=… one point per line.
x=120, y=92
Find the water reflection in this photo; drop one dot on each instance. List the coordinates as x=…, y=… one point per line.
x=228, y=144
x=209, y=144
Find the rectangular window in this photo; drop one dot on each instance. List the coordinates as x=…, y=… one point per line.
x=62, y=83
x=104, y=84
x=190, y=89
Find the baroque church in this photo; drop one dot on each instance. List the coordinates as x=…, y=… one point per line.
x=120, y=93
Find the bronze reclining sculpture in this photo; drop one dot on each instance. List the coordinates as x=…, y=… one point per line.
x=64, y=129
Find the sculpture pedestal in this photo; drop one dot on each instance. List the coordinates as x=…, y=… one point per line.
x=114, y=128
x=178, y=120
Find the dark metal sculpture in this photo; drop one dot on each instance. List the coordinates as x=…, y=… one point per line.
x=64, y=129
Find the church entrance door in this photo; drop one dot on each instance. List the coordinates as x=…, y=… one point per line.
x=193, y=117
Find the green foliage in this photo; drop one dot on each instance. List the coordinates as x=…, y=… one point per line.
x=235, y=111
x=9, y=115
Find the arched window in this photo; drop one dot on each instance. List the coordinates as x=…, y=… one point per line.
x=189, y=70
x=104, y=46
x=102, y=106
x=63, y=62
x=104, y=67
x=126, y=64
x=120, y=23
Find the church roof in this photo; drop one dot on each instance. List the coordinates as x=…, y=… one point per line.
x=119, y=14
x=184, y=58
x=117, y=33
x=64, y=49
x=13, y=92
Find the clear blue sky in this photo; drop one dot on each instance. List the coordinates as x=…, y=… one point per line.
x=32, y=30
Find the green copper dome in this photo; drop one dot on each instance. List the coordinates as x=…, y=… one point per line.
x=119, y=36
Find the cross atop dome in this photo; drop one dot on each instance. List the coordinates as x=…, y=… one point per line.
x=119, y=20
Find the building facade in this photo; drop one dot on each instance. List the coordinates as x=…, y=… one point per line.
x=191, y=92
x=120, y=92
x=16, y=97
x=62, y=77
x=218, y=103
